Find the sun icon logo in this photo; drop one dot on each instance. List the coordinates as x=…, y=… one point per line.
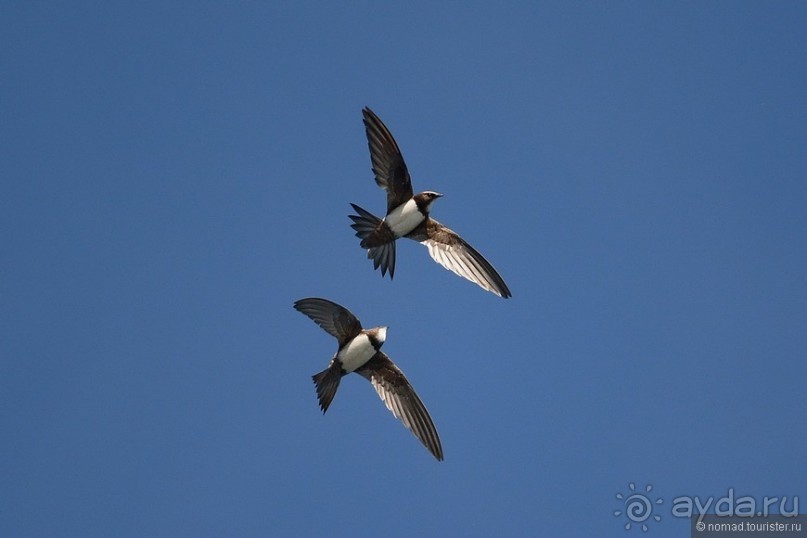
x=638, y=507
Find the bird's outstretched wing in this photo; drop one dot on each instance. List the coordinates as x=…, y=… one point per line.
x=400, y=398
x=388, y=163
x=335, y=319
x=451, y=251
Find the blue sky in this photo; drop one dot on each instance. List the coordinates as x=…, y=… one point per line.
x=175, y=176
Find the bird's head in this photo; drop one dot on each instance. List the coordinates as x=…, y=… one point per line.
x=378, y=335
x=425, y=200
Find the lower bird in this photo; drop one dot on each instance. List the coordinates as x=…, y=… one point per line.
x=360, y=351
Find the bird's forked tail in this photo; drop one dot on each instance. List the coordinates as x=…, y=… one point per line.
x=377, y=238
x=327, y=381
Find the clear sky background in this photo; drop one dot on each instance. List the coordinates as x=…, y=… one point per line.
x=175, y=176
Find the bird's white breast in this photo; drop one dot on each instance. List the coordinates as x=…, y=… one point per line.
x=404, y=218
x=356, y=353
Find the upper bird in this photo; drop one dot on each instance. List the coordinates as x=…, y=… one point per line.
x=408, y=216
x=360, y=352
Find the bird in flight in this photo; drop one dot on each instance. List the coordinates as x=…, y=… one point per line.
x=408, y=216
x=360, y=351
